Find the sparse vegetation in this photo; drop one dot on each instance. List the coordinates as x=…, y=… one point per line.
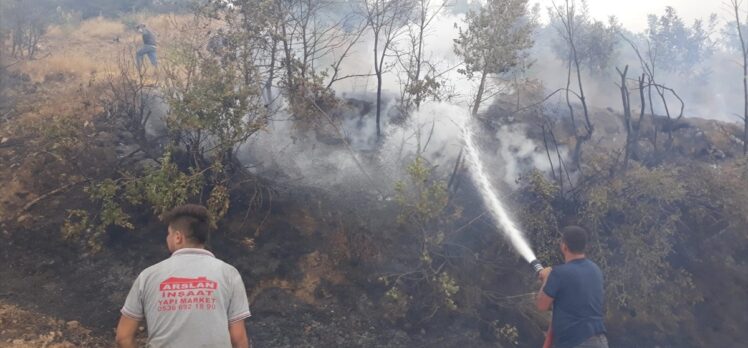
x=26, y=24
x=423, y=202
x=88, y=164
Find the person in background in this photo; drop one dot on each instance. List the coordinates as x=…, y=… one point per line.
x=148, y=48
x=191, y=299
x=575, y=292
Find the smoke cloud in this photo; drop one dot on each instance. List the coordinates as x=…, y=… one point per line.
x=310, y=158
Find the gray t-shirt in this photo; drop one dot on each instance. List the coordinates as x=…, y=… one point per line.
x=188, y=300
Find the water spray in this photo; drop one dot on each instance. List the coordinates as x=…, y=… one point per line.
x=493, y=203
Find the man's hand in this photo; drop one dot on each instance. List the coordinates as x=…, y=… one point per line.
x=126, y=332
x=543, y=274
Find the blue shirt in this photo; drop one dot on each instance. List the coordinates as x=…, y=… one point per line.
x=149, y=38
x=577, y=291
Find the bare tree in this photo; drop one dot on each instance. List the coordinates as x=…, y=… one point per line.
x=649, y=67
x=569, y=20
x=632, y=129
x=130, y=98
x=420, y=74
x=317, y=40
x=341, y=53
x=299, y=44
x=744, y=50
x=386, y=19
x=26, y=22
x=671, y=45
x=596, y=42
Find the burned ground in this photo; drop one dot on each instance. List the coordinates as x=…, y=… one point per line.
x=345, y=267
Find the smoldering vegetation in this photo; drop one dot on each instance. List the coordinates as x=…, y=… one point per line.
x=324, y=137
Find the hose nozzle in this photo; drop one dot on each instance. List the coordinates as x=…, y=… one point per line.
x=536, y=265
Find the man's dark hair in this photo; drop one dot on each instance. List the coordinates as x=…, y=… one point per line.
x=191, y=219
x=575, y=238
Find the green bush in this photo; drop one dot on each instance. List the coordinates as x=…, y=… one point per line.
x=161, y=189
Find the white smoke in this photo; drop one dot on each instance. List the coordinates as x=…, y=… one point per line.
x=520, y=154
x=298, y=156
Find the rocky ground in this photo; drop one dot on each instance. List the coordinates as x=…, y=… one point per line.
x=23, y=328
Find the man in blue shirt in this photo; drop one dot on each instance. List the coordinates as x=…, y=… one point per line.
x=575, y=291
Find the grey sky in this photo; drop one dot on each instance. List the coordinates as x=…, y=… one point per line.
x=633, y=13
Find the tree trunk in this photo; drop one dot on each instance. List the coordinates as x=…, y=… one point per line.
x=271, y=73
x=745, y=103
x=378, y=72
x=745, y=76
x=588, y=123
x=625, y=98
x=652, y=115
x=568, y=97
x=379, y=103
x=417, y=77
x=289, y=56
x=481, y=89
x=637, y=129
x=550, y=160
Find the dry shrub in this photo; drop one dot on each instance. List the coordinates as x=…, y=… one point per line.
x=70, y=63
x=163, y=23
x=172, y=28
x=92, y=48
x=165, y=26
x=82, y=102
x=56, y=32
x=55, y=128
x=99, y=28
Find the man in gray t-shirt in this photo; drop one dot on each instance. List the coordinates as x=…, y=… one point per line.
x=190, y=299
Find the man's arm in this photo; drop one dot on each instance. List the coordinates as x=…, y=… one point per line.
x=238, y=334
x=237, y=311
x=542, y=301
x=126, y=330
